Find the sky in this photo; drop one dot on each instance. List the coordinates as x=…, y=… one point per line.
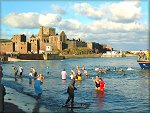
x=122, y=24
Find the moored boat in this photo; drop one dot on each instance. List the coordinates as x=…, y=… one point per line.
x=144, y=59
x=144, y=64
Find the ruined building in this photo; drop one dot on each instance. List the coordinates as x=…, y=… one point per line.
x=45, y=39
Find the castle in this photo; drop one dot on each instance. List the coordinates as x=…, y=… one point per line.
x=46, y=41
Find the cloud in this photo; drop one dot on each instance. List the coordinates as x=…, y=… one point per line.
x=22, y=20
x=86, y=9
x=49, y=19
x=70, y=24
x=112, y=23
x=124, y=11
x=58, y=9
x=31, y=20
x=109, y=26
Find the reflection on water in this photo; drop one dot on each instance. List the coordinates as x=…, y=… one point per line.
x=100, y=99
x=144, y=73
x=125, y=91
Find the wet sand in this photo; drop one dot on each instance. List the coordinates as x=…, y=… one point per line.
x=10, y=107
x=18, y=102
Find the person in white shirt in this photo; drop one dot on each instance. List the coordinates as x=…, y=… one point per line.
x=30, y=77
x=63, y=74
x=20, y=70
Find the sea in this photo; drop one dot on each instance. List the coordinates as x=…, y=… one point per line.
x=126, y=91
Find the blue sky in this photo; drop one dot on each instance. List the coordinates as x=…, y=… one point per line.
x=120, y=24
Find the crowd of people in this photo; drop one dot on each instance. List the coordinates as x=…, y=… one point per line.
x=37, y=79
x=144, y=55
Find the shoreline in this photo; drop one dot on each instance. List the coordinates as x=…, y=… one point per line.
x=19, y=102
x=76, y=56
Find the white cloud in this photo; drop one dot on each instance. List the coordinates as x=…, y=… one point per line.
x=22, y=20
x=108, y=26
x=31, y=20
x=58, y=9
x=49, y=19
x=124, y=11
x=113, y=23
x=86, y=9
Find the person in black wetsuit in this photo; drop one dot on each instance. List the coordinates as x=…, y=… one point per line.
x=70, y=91
x=97, y=82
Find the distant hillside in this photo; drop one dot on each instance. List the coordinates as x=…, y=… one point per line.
x=5, y=40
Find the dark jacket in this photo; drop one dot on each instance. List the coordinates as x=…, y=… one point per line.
x=2, y=94
x=71, y=87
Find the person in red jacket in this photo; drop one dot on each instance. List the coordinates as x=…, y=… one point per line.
x=102, y=84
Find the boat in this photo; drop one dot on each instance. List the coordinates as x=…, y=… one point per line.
x=145, y=64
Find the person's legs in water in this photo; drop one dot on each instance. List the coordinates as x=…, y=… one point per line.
x=69, y=98
x=39, y=96
x=72, y=99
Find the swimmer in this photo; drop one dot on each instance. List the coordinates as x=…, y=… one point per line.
x=79, y=76
x=86, y=73
x=72, y=74
x=102, y=84
x=30, y=77
x=121, y=69
x=97, y=82
x=47, y=70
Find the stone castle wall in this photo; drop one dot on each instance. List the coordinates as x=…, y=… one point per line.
x=38, y=43
x=7, y=47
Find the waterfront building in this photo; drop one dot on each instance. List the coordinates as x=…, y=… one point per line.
x=44, y=39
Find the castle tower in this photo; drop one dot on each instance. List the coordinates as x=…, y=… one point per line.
x=63, y=37
x=45, y=32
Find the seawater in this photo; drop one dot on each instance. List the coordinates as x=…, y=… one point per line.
x=126, y=91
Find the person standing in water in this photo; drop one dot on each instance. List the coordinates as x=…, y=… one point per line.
x=70, y=91
x=37, y=86
x=47, y=70
x=72, y=74
x=97, y=82
x=30, y=77
x=20, y=70
x=2, y=94
x=15, y=71
x=63, y=74
x=34, y=73
x=1, y=73
x=102, y=84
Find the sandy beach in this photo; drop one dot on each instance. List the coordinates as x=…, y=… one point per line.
x=18, y=102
